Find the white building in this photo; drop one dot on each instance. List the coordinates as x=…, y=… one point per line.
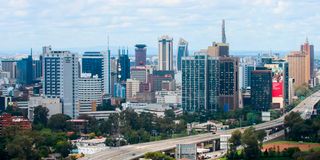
x=224, y=144
x=168, y=97
x=53, y=104
x=91, y=146
x=100, y=114
x=154, y=108
x=165, y=53
x=61, y=74
x=132, y=88
x=90, y=92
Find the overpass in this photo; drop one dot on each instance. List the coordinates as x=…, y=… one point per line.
x=138, y=150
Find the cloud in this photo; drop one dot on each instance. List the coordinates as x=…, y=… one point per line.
x=70, y=23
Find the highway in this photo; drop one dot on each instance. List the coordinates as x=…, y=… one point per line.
x=138, y=150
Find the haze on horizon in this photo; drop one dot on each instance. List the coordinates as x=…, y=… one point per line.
x=250, y=24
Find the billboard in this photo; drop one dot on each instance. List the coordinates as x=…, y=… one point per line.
x=277, y=79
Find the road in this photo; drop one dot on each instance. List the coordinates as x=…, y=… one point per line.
x=138, y=150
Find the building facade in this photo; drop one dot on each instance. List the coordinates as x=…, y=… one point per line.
x=123, y=66
x=61, y=72
x=98, y=63
x=297, y=68
x=90, y=92
x=200, y=79
x=25, y=71
x=182, y=52
x=261, y=89
x=140, y=54
x=165, y=45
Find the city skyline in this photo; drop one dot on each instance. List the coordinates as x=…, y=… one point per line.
x=85, y=24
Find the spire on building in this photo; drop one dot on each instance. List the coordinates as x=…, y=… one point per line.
x=224, y=38
x=307, y=41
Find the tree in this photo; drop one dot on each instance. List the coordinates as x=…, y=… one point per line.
x=40, y=116
x=235, y=141
x=157, y=156
x=21, y=148
x=92, y=123
x=293, y=122
x=303, y=90
x=260, y=136
x=250, y=144
x=169, y=114
x=63, y=147
x=58, y=122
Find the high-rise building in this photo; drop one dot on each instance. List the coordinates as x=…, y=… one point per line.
x=139, y=73
x=37, y=69
x=141, y=54
x=308, y=50
x=245, y=75
x=218, y=50
x=157, y=77
x=132, y=88
x=297, y=68
x=165, y=53
x=90, y=92
x=200, y=83
x=98, y=63
x=182, y=52
x=9, y=65
x=25, y=71
x=61, y=79
x=261, y=89
x=228, y=83
x=123, y=66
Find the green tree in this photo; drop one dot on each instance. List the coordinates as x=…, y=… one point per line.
x=58, y=122
x=293, y=122
x=235, y=141
x=40, y=116
x=21, y=148
x=157, y=156
x=250, y=144
x=63, y=147
x=303, y=90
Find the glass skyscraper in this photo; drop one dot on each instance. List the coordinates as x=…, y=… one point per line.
x=25, y=71
x=182, y=52
x=200, y=77
x=98, y=63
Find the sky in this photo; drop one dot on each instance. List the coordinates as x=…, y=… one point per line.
x=251, y=25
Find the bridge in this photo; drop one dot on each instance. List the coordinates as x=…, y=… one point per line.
x=138, y=150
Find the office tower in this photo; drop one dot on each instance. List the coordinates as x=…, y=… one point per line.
x=297, y=68
x=140, y=54
x=37, y=69
x=25, y=70
x=98, y=63
x=90, y=92
x=218, y=50
x=245, y=75
x=123, y=66
x=10, y=66
x=308, y=50
x=224, y=38
x=61, y=79
x=119, y=90
x=228, y=83
x=261, y=89
x=200, y=83
x=165, y=53
x=132, y=88
x=182, y=52
x=139, y=73
x=157, y=77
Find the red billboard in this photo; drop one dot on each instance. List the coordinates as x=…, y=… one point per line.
x=277, y=89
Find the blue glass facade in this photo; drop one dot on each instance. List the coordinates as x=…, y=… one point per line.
x=92, y=62
x=25, y=71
